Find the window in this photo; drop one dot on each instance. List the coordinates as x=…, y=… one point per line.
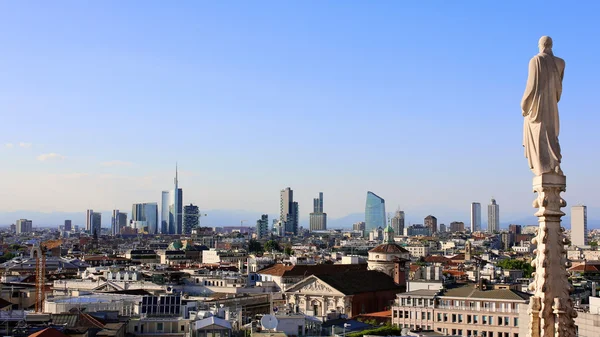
x=422, y=315
x=460, y=320
x=428, y=316
x=460, y=331
x=506, y=321
x=159, y=327
x=183, y=328
x=491, y=320
x=469, y=333
x=454, y=321
x=135, y=328
x=475, y=320
x=516, y=321
x=484, y=319
x=439, y=317
x=499, y=320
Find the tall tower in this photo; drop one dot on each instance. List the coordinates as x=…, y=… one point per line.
x=493, y=216
x=431, y=222
x=475, y=217
x=398, y=222
x=172, y=208
x=318, y=219
x=579, y=225
x=374, y=212
x=288, y=211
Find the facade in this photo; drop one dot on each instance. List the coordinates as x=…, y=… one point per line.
x=318, y=219
x=144, y=217
x=475, y=217
x=93, y=222
x=442, y=228
x=461, y=311
x=417, y=230
x=431, y=222
x=288, y=212
x=191, y=218
x=398, y=222
x=514, y=229
x=374, y=212
x=493, y=217
x=68, y=226
x=457, y=226
x=23, y=226
x=118, y=221
x=262, y=227
x=579, y=225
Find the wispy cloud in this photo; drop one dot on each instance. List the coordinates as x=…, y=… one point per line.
x=9, y=145
x=25, y=145
x=116, y=163
x=50, y=156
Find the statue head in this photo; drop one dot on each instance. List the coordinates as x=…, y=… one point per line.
x=545, y=44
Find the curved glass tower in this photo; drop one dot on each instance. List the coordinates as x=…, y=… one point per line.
x=374, y=212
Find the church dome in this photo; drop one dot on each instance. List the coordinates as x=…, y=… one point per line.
x=389, y=248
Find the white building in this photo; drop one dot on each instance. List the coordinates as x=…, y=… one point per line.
x=579, y=225
x=24, y=226
x=493, y=217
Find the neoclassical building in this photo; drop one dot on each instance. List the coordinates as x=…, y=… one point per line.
x=386, y=256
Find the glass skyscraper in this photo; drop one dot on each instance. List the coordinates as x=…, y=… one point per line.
x=374, y=212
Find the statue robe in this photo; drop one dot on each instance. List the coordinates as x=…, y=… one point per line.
x=540, y=109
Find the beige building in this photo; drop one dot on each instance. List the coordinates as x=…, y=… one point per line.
x=462, y=311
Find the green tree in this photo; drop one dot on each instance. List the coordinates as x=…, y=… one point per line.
x=594, y=244
x=288, y=250
x=272, y=245
x=254, y=246
x=509, y=264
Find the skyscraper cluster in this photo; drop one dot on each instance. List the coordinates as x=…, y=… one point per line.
x=144, y=217
x=23, y=226
x=318, y=219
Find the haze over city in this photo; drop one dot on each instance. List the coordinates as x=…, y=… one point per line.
x=418, y=102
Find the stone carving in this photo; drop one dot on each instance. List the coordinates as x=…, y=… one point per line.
x=550, y=308
x=316, y=287
x=540, y=109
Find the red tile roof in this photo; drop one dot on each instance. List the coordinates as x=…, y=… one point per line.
x=308, y=270
x=390, y=248
x=48, y=332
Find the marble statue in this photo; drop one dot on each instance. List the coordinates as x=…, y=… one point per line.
x=551, y=311
x=540, y=109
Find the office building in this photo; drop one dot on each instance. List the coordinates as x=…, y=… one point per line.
x=144, y=217
x=493, y=217
x=288, y=212
x=475, y=217
x=457, y=226
x=68, y=226
x=262, y=227
x=191, y=218
x=318, y=219
x=418, y=230
x=374, y=212
x=431, y=223
x=579, y=225
x=398, y=222
x=24, y=226
x=117, y=222
x=93, y=222
x=514, y=229
x=358, y=226
x=172, y=209
x=442, y=228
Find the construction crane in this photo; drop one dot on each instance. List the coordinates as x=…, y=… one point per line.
x=40, y=271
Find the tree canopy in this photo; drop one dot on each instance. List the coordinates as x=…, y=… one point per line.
x=272, y=245
x=510, y=264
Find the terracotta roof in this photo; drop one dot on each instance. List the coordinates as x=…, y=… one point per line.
x=414, y=267
x=389, y=248
x=586, y=267
x=458, y=257
x=48, y=332
x=308, y=270
x=386, y=314
x=437, y=259
x=357, y=282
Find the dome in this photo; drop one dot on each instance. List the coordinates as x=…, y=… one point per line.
x=389, y=248
x=175, y=245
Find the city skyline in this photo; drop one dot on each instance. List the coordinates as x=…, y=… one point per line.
x=49, y=171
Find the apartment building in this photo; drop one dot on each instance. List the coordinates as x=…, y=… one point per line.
x=467, y=310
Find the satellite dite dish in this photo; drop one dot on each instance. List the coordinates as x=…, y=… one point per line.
x=269, y=322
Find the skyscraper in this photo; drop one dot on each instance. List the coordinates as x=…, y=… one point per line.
x=172, y=209
x=93, y=222
x=191, y=218
x=398, y=222
x=358, y=226
x=493, y=217
x=442, y=228
x=475, y=217
x=374, y=212
x=144, y=217
x=262, y=227
x=24, y=226
x=318, y=219
x=288, y=211
x=431, y=222
x=117, y=222
x=68, y=226
x=579, y=225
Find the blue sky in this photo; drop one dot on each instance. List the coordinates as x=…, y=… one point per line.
x=417, y=101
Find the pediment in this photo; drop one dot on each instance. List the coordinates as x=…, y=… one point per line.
x=313, y=285
x=108, y=286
